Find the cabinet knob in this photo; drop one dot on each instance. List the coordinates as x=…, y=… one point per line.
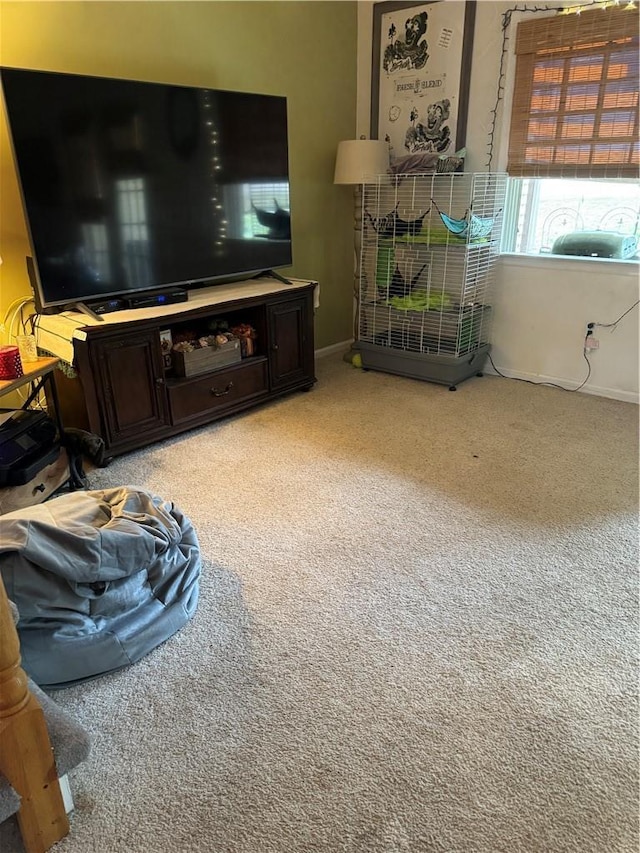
x=160, y=380
x=275, y=347
x=217, y=393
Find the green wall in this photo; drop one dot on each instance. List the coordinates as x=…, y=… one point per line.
x=304, y=50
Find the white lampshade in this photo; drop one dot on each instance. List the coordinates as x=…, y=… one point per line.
x=359, y=159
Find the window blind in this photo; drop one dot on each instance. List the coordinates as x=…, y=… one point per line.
x=575, y=101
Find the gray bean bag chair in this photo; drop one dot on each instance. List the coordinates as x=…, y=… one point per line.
x=100, y=579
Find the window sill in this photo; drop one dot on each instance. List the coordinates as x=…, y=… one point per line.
x=572, y=262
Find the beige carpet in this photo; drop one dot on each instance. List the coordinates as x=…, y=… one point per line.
x=417, y=631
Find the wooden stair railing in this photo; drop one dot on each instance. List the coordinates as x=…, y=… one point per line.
x=26, y=755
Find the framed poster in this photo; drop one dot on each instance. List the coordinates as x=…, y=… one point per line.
x=420, y=77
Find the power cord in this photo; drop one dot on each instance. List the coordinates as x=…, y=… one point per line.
x=14, y=322
x=615, y=322
x=590, y=329
x=549, y=384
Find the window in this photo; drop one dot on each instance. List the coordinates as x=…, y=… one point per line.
x=542, y=210
x=575, y=103
x=574, y=146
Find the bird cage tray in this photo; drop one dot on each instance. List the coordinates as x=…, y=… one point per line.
x=442, y=369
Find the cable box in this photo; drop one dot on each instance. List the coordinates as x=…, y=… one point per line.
x=108, y=305
x=163, y=297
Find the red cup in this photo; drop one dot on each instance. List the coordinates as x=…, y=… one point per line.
x=10, y=363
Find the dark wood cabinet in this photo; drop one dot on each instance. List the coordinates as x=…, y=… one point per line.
x=291, y=355
x=129, y=375
x=129, y=397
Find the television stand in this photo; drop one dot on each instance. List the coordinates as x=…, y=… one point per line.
x=127, y=394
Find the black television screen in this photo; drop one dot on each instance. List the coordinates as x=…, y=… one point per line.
x=132, y=186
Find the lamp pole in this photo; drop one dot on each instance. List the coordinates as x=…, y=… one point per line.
x=357, y=161
x=357, y=245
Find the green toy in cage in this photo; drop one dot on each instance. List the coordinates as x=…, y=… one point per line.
x=385, y=265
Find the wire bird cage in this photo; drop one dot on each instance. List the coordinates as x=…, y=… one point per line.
x=429, y=248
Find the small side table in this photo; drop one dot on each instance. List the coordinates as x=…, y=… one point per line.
x=39, y=371
x=52, y=476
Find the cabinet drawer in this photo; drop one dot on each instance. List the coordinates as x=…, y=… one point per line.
x=220, y=390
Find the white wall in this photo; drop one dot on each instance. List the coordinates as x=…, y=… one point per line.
x=541, y=305
x=541, y=308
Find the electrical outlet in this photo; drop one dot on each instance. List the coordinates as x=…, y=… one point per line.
x=591, y=343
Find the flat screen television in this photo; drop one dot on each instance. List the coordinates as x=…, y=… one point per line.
x=138, y=188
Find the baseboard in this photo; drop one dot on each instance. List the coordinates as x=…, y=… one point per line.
x=568, y=384
x=343, y=346
x=594, y=390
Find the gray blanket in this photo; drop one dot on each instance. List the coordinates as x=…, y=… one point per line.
x=99, y=577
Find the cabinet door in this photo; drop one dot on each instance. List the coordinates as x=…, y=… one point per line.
x=291, y=360
x=130, y=387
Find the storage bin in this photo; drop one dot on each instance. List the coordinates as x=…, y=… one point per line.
x=205, y=359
